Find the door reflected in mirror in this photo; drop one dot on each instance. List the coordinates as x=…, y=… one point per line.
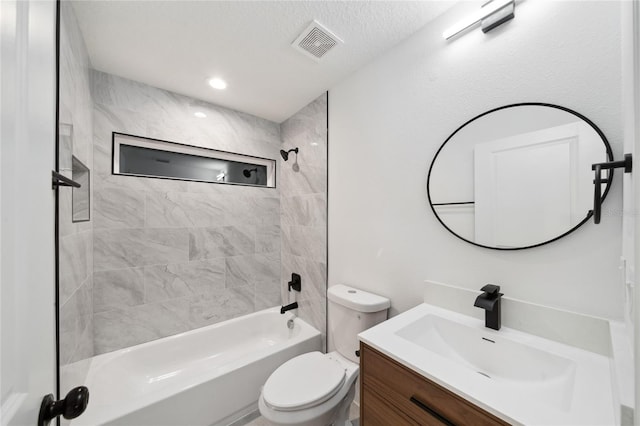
x=518, y=176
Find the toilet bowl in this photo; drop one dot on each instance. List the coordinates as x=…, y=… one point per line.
x=312, y=389
x=316, y=389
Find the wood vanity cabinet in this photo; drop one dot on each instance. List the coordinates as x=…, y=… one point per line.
x=393, y=395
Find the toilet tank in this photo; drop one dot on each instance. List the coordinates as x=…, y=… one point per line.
x=352, y=311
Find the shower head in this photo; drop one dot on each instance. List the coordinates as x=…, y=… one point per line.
x=285, y=154
x=247, y=172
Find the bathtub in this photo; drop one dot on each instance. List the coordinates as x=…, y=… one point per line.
x=208, y=376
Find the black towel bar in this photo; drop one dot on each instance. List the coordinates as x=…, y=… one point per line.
x=58, y=179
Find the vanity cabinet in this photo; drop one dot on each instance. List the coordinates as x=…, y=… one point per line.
x=392, y=394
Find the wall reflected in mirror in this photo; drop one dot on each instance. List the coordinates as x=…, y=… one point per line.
x=518, y=176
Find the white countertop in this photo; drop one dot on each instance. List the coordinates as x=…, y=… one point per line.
x=589, y=401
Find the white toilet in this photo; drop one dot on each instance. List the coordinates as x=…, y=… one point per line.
x=316, y=389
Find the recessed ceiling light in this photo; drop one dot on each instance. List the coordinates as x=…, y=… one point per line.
x=200, y=114
x=217, y=83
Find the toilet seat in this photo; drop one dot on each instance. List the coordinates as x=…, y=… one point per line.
x=303, y=382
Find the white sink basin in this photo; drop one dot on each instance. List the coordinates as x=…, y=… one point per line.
x=521, y=378
x=512, y=365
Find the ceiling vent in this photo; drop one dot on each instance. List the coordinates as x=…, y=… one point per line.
x=316, y=41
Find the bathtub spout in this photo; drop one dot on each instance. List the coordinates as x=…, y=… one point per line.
x=289, y=307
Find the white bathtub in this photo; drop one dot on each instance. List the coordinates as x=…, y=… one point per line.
x=208, y=376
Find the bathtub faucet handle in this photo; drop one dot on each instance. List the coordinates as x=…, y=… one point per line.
x=295, y=283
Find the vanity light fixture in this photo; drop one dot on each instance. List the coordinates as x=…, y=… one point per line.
x=217, y=83
x=492, y=14
x=200, y=114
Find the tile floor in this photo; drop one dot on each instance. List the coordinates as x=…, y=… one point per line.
x=255, y=419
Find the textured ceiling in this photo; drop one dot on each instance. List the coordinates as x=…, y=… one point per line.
x=178, y=45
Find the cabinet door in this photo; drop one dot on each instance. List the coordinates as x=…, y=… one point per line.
x=375, y=411
x=417, y=397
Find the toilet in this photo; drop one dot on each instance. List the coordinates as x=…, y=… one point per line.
x=316, y=389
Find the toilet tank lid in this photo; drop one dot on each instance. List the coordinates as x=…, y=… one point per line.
x=358, y=300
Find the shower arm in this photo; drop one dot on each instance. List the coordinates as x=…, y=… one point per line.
x=285, y=154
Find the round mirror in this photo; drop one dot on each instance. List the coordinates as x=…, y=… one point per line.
x=518, y=176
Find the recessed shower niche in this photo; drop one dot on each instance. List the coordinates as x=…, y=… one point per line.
x=71, y=167
x=146, y=157
x=81, y=197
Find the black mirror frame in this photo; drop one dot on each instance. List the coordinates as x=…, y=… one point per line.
x=590, y=212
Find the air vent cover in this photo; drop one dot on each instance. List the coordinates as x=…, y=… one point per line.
x=316, y=41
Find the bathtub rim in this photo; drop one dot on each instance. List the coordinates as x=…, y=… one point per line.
x=307, y=333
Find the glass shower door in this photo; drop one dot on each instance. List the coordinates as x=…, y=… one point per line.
x=75, y=206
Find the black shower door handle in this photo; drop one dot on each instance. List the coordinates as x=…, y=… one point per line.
x=70, y=407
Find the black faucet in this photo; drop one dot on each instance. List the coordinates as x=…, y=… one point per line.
x=289, y=307
x=490, y=302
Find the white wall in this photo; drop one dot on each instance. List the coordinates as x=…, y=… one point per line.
x=631, y=224
x=630, y=99
x=387, y=120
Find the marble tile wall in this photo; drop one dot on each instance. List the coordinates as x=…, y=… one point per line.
x=303, y=218
x=169, y=255
x=76, y=239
